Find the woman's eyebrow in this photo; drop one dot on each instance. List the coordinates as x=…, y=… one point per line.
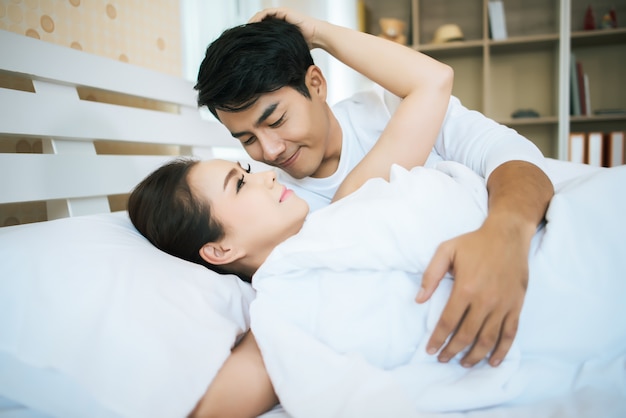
x=233, y=172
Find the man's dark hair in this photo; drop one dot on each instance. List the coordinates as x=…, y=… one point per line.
x=249, y=60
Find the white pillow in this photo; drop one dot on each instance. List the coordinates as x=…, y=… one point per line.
x=95, y=321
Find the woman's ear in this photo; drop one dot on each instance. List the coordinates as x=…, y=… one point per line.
x=316, y=82
x=218, y=254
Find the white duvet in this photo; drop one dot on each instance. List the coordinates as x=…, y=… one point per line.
x=341, y=335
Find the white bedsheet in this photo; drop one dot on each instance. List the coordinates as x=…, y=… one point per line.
x=341, y=334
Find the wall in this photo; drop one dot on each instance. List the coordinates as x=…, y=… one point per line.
x=146, y=33
x=141, y=32
x=206, y=19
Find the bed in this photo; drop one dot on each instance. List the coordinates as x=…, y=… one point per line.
x=94, y=321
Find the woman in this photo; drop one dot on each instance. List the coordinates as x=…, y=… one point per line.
x=266, y=235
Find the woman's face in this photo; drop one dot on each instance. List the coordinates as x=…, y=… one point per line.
x=256, y=211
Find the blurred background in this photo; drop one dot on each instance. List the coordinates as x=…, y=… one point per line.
x=165, y=35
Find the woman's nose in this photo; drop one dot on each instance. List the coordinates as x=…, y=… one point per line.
x=269, y=177
x=264, y=178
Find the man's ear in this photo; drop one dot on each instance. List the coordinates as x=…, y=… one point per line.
x=218, y=254
x=316, y=82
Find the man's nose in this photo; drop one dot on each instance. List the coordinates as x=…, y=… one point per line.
x=272, y=147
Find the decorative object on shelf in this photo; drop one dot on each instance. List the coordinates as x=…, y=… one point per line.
x=613, y=14
x=525, y=113
x=393, y=29
x=449, y=32
x=590, y=19
x=609, y=20
x=497, y=20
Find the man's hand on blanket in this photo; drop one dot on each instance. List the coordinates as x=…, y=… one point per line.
x=490, y=270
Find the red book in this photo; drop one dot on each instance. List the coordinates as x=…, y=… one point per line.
x=580, y=75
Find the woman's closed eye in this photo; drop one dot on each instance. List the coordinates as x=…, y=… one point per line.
x=242, y=181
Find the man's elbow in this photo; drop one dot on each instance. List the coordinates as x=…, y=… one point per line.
x=446, y=79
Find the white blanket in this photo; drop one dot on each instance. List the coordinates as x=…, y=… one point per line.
x=341, y=335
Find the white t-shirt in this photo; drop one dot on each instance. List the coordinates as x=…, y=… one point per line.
x=466, y=136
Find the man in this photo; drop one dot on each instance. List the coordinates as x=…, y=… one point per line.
x=260, y=81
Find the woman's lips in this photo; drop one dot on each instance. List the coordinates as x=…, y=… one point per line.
x=285, y=194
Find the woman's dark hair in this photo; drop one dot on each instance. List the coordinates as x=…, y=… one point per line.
x=249, y=60
x=164, y=210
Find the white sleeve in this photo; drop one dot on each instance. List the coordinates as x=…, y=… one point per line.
x=469, y=137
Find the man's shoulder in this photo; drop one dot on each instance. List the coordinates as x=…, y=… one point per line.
x=364, y=114
x=366, y=100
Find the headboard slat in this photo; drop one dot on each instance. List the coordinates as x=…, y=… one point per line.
x=61, y=107
x=46, y=61
x=45, y=177
x=80, y=119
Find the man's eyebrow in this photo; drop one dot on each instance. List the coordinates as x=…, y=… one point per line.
x=266, y=114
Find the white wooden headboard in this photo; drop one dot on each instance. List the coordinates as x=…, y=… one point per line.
x=48, y=92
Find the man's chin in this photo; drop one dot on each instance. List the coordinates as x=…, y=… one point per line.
x=296, y=174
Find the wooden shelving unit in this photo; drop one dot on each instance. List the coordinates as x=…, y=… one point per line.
x=530, y=68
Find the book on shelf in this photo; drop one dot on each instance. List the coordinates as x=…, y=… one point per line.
x=615, y=146
x=580, y=79
x=497, y=20
x=600, y=149
x=580, y=101
x=574, y=88
x=595, y=149
x=587, y=97
x=577, y=149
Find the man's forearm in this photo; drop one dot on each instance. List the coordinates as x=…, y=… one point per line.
x=519, y=194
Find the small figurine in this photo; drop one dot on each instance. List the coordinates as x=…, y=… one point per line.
x=590, y=19
x=613, y=16
x=609, y=20
x=393, y=29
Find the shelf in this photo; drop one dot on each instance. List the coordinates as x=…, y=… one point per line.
x=452, y=49
x=542, y=120
x=598, y=118
x=598, y=37
x=524, y=43
x=531, y=68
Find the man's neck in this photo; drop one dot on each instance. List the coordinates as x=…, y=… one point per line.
x=332, y=156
